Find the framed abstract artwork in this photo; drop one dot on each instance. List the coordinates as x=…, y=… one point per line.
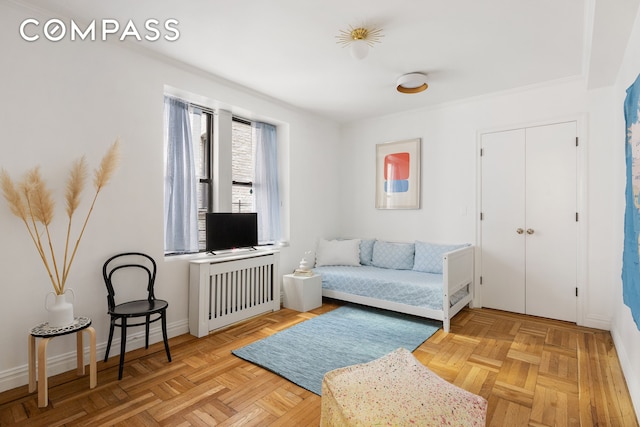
x=398, y=175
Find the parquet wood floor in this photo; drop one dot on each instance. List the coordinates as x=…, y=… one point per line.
x=533, y=372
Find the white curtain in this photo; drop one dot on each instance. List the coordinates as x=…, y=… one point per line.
x=180, y=196
x=267, y=195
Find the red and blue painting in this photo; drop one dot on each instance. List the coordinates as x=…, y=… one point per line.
x=398, y=175
x=396, y=172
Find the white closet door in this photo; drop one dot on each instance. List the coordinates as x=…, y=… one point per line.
x=551, y=249
x=503, y=203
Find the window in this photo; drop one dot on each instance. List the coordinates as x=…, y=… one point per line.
x=251, y=184
x=202, y=122
x=242, y=160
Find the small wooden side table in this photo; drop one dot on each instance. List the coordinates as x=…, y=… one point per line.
x=46, y=333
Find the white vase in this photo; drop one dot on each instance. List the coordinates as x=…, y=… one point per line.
x=61, y=311
x=304, y=265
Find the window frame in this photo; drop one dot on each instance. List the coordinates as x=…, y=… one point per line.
x=215, y=177
x=208, y=158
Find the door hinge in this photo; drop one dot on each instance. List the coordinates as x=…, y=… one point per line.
x=576, y=291
x=576, y=216
x=481, y=216
x=481, y=152
x=481, y=280
x=576, y=141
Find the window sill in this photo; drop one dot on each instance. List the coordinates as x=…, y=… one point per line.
x=205, y=255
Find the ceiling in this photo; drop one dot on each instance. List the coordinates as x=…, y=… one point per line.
x=288, y=50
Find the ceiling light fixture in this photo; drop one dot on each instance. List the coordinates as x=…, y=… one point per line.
x=360, y=39
x=412, y=83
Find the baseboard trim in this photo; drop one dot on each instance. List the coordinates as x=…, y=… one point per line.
x=19, y=376
x=631, y=377
x=597, y=322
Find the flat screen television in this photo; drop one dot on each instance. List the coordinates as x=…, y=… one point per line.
x=227, y=230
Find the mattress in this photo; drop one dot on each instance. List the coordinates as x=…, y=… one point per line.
x=401, y=286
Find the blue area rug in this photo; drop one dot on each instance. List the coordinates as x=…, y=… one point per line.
x=345, y=336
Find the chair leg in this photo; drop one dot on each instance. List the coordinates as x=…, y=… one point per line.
x=123, y=345
x=106, y=354
x=146, y=330
x=164, y=335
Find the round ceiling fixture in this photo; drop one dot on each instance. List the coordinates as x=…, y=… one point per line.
x=412, y=83
x=361, y=39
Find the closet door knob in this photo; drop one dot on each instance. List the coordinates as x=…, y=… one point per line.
x=519, y=231
x=530, y=231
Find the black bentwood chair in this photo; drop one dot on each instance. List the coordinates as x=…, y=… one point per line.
x=136, y=265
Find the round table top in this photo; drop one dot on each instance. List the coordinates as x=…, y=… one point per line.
x=43, y=330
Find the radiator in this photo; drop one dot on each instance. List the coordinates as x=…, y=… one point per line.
x=227, y=290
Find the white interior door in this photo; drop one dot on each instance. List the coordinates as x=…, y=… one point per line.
x=503, y=220
x=551, y=206
x=528, y=227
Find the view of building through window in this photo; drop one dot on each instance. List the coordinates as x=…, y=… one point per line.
x=242, y=165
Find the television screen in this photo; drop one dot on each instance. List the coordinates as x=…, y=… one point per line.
x=227, y=230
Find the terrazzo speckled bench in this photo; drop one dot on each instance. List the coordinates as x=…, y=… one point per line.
x=396, y=390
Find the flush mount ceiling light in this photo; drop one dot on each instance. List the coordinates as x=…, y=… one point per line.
x=412, y=83
x=360, y=39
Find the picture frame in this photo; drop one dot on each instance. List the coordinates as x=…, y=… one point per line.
x=398, y=174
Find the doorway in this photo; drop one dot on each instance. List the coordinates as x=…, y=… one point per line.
x=529, y=220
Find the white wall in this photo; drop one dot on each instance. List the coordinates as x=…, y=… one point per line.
x=62, y=100
x=449, y=185
x=625, y=333
x=448, y=161
x=449, y=181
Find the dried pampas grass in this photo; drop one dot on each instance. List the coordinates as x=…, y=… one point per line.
x=75, y=185
x=32, y=202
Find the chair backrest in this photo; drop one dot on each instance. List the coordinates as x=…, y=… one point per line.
x=130, y=261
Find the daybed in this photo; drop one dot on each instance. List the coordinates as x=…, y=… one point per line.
x=422, y=279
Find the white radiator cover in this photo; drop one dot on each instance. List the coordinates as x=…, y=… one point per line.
x=228, y=289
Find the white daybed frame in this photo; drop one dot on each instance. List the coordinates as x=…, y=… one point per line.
x=457, y=273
